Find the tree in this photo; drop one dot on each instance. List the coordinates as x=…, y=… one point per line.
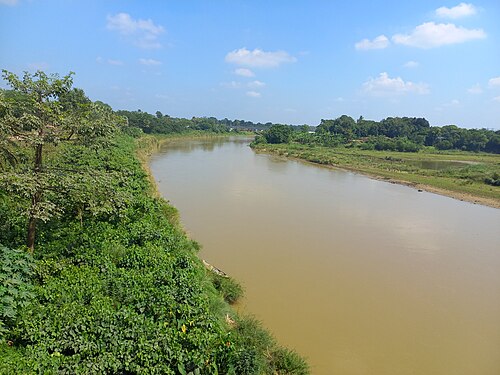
x=343, y=126
x=44, y=111
x=278, y=134
x=493, y=144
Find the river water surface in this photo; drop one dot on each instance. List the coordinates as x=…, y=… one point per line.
x=357, y=275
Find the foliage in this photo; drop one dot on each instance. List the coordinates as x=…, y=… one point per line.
x=259, y=139
x=229, y=288
x=43, y=111
x=122, y=290
x=116, y=286
x=258, y=352
x=139, y=121
x=164, y=124
x=287, y=362
x=381, y=143
x=278, y=134
x=16, y=289
x=343, y=126
x=494, y=180
x=406, y=134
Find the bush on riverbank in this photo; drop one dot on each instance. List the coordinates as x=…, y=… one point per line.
x=122, y=291
x=229, y=288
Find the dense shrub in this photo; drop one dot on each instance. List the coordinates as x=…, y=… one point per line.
x=16, y=289
x=494, y=180
x=278, y=134
x=229, y=288
x=382, y=143
x=119, y=290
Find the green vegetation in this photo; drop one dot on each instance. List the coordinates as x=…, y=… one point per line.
x=42, y=112
x=114, y=284
x=278, y=134
x=142, y=122
x=405, y=134
x=16, y=290
x=229, y=288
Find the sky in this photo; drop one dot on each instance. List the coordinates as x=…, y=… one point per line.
x=283, y=61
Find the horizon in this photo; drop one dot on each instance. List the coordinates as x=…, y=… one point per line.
x=293, y=63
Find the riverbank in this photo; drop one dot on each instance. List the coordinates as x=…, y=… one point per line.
x=121, y=289
x=462, y=179
x=267, y=355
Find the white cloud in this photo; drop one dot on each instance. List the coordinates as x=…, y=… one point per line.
x=384, y=85
x=497, y=99
x=475, y=90
x=244, y=72
x=459, y=11
x=143, y=33
x=430, y=34
x=259, y=58
x=253, y=94
x=411, y=64
x=380, y=42
x=494, y=82
x=8, y=2
x=149, y=62
x=256, y=84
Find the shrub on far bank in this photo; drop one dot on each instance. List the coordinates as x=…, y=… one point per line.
x=494, y=180
x=278, y=134
x=381, y=143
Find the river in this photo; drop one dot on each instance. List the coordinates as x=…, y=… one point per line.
x=359, y=276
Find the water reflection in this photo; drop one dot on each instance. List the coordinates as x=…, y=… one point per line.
x=361, y=276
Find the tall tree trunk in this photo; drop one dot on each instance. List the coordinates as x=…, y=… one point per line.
x=35, y=199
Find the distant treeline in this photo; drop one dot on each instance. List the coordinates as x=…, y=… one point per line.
x=164, y=124
x=408, y=134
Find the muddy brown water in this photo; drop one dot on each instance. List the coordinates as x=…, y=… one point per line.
x=360, y=276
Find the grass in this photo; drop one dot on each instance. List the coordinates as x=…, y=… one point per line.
x=464, y=182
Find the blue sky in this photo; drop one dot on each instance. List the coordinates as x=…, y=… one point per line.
x=280, y=61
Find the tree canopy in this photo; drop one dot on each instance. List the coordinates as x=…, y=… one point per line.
x=41, y=112
x=408, y=134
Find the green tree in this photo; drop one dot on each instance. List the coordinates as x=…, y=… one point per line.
x=41, y=113
x=342, y=126
x=493, y=144
x=278, y=134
